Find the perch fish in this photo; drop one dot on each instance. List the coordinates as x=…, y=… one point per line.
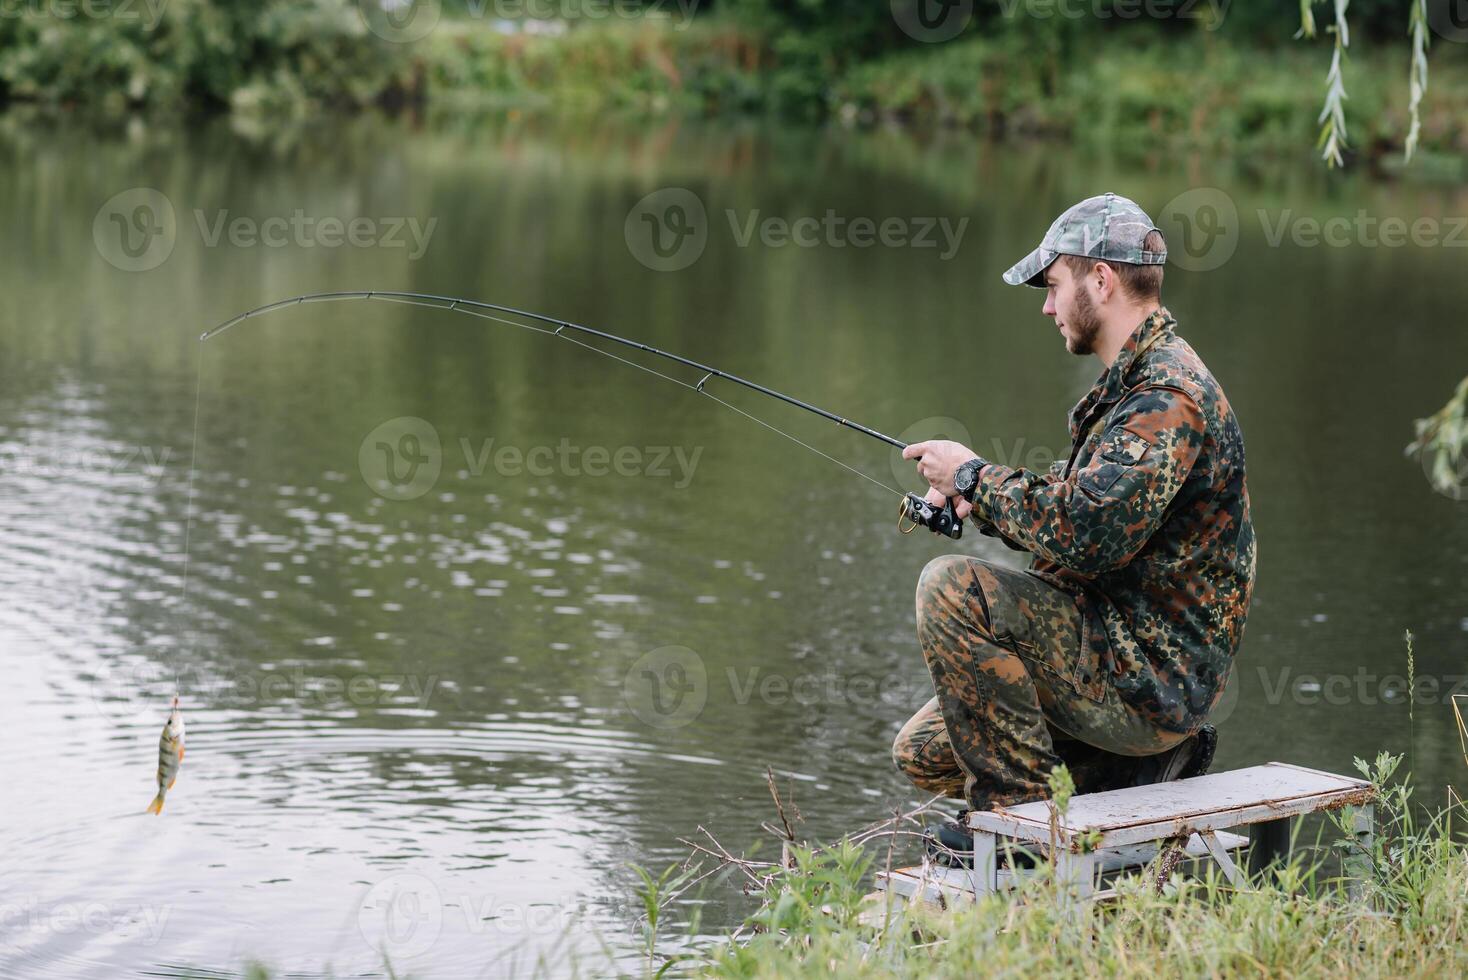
x=170, y=756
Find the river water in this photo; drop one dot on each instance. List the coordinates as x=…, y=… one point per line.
x=476, y=619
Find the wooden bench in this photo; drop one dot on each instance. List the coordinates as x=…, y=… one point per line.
x=1125, y=828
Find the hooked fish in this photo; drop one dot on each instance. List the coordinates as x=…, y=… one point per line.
x=170, y=756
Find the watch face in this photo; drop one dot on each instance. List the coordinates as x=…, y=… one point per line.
x=964, y=480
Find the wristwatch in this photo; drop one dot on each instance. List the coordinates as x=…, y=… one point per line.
x=967, y=477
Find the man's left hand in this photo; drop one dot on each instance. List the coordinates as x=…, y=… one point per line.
x=961, y=507
x=941, y=459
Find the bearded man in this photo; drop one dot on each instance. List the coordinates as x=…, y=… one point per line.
x=1111, y=649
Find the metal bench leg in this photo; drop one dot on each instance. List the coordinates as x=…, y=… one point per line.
x=1220, y=854
x=1268, y=842
x=985, y=874
x=1357, y=866
x=1075, y=874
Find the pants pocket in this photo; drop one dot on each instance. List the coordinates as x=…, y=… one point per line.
x=1042, y=624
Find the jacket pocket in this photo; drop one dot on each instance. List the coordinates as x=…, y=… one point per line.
x=1119, y=451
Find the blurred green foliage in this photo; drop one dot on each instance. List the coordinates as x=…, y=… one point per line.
x=1165, y=72
x=1193, y=92
x=267, y=54
x=634, y=66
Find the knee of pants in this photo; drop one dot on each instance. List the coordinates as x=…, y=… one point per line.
x=942, y=586
x=900, y=755
x=917, y=735
x=912, y=761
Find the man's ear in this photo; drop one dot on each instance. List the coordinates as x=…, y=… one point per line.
x=1103, y=277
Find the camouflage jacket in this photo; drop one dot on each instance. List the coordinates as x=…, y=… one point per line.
x=1146, y=524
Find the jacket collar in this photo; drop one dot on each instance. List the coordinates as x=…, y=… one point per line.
x=1111, y=384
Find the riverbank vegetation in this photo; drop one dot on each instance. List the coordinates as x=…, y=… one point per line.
x=1202, y=77
x=1409, y=920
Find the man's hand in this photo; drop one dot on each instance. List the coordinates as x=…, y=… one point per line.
x=961, y=507
x=941, y=458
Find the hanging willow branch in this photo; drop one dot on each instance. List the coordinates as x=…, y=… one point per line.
x=1307, y=20
x=1333, y=114
x=1442, y=444
x=1417, y=74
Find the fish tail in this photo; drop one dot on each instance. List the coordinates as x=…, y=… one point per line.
x=157, y=805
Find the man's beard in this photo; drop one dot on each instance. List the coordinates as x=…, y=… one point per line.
x=1084, y=324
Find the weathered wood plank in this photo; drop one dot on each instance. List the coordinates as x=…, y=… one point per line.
x=1228, y=799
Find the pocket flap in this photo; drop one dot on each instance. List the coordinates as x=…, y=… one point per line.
x=1124, y=447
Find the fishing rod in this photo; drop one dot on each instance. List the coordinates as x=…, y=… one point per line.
x=914, y=508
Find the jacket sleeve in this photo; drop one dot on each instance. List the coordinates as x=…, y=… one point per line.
x=990, y=531
x=1055, y=472
x=1099, y=516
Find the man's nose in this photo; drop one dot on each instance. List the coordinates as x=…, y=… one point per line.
x=1049, y=308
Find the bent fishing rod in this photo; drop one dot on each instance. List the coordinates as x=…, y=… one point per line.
x=914, y=509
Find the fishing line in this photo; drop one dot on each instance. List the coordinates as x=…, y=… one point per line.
x=864, y=476
x=682, y=384
x=189, y=507
x=433, y=301
x=702, y=391
x=480, y=309
x=913, y=508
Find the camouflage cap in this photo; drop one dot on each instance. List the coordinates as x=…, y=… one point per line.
x=1108, y=227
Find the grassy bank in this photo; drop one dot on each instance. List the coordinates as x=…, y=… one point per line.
x=1189, y=94
x=650, y=66
x=1190, y=930
x=1295, y=920
x=1148, y=89
x=1182, y=94
x=1168, y=94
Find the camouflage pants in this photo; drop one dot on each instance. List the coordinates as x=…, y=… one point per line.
x=1002, y=647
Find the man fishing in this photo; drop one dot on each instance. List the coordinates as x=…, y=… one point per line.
x=1111, y=649
x=1109, y=652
